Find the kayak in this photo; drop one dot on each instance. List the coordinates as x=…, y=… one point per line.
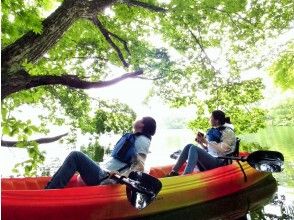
x=26, y=198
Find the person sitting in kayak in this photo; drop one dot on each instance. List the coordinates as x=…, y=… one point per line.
x=220, y=140
x=93, y=174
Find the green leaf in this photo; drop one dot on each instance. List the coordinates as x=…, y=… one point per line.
x=5, y=130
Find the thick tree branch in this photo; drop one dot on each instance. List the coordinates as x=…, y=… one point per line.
x=39, y=141
x=32, y=46
x=106, y=35
x=145, y=5
x=23, y=81
x=125, y=43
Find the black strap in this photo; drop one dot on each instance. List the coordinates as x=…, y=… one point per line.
x=242, y=169
x=221, y=128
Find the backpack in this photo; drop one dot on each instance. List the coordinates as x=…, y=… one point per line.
x=124, y=149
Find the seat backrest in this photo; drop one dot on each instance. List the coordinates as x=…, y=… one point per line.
x=235, y=153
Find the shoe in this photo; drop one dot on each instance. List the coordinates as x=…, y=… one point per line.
x=172, y=173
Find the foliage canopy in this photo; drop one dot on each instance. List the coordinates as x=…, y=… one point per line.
x=282, y=70
x=53, y=50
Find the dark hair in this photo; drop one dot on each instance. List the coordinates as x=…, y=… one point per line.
x=220, y=116
x=149, y=126
x=228, y=120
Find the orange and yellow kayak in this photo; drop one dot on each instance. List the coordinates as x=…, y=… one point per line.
x=25, y=198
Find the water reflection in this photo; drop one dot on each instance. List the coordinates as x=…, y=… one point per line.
x=278, y=208
x=237, y=206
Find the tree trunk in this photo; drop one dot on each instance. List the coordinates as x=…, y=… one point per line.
x=32, y=46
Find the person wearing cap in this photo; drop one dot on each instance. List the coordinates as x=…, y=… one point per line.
x=93, y=174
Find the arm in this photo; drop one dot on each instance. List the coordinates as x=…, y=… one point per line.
x=220, y=147
x=226, y=144
x=227, y=141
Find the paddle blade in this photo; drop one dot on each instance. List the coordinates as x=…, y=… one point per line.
x=143, y=190
x=267, y=161
x=175, y=154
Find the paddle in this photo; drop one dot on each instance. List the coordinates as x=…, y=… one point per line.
x=141, y=189
x=268, y=161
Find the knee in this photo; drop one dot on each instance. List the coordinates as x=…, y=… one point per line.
x=188, y=146
x=193, y=149
x=75, y=154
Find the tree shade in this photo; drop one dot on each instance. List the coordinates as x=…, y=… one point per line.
x=53, y=50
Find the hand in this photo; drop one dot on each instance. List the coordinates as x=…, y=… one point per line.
x=112, y=173
x=197, y=137
x=200, y=138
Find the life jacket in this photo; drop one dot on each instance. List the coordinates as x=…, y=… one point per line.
x=215, y=134
x=124, y=150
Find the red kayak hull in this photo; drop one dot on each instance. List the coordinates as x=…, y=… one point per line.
x=26, y=199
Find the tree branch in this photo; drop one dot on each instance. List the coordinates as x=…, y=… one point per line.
x=125, y=43
x=77, y=58
x=23, y=81
x=152, y=79
x=39, y=141
x=229, y=15
x=32, y=46
x=203, y=51
x=145, y=5
x=215, y=71
x=106, y=35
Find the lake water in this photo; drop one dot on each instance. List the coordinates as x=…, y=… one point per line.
x=271, y=203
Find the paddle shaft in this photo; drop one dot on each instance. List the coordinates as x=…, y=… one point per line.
x=243, y=159
x=234, y=158
x=136, y=185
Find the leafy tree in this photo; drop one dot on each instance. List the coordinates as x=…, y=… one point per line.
x=282, y=115
x=105, y=117
x=237, y=100
x=48, y=60
x=94, y=151
x=282, y=70
x=44, y=59
x=218, y=40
